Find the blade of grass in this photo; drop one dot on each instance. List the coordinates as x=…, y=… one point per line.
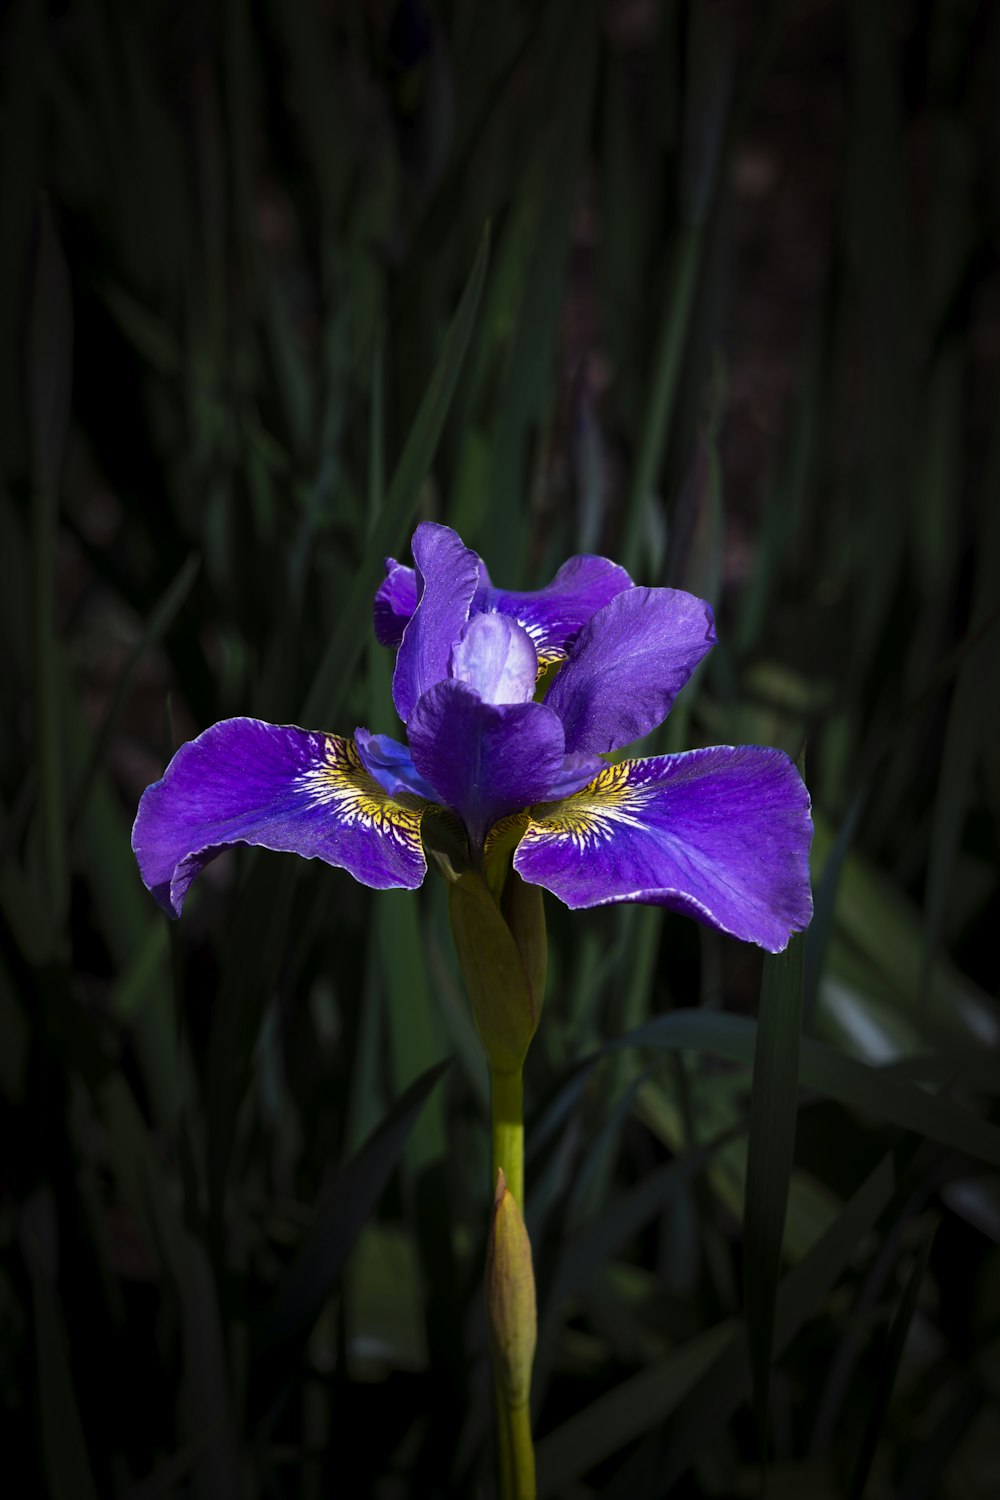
x=347, y=642
x=680, y=279
x=49, y=374
x=698, y=1387
x=254, y=950
x=20, y=173
x=284, y=1326
x=889, y=1370
x=526, y=396
x=834, y=1075
x=770, y=1151
x=160, y=619
x=67, y=1463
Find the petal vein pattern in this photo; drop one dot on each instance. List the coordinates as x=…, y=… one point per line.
x=721, y=835
x=277, y=787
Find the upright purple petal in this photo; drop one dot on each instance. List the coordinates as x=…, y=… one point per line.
x=447, y=577
x=395, y=601
x=554, y=615
x=279, y=787
x=495, y=656
x=721, y=835
x=628, y=665
x=484, y=759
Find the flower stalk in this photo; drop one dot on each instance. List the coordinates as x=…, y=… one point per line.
x=501, y=947
x=511, y=1314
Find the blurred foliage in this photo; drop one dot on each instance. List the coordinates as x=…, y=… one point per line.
x=739, y=327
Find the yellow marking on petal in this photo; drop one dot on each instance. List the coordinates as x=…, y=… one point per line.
x=589, y=817
x=505, y=833
x=355, y=797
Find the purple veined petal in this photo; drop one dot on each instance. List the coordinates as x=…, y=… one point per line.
x=484, y=759
x=721, y=835
x=447, y=578
x=495, y=656
x=391, y=765
x=395, y=601
x=628, y=665
x=279, y=787
x=554, y=615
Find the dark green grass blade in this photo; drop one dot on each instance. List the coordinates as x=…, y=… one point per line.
x=348, y=640
x=161, y=618
x=680, y=283
x=282, y=1330
x=800, y=1296
x=700, y=1385
x=255, y=947
x=20, y=173
x=525, y=398
x=770, y=1151
x=837, y=1076
x=890, y=1369
x=415, y=1041
x=964, y=740
x=49, y=374
x=872, y=1091
x=67, y=1464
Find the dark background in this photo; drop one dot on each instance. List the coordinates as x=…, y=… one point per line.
x=739, y=328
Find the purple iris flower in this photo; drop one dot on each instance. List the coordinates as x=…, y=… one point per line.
x=721, y=834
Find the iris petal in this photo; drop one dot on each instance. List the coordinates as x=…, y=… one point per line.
x=447, y=578
x=629, y=663
x=395, y=601
x=554, y=615
x=484, y=759
x=721, y=835
x=279, y=787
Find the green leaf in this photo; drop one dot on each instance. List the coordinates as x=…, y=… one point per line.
x=340, y=1219
x=67, y=1464
x=49, y=375
x=770, y=1150
x=159, y=622
x=890, y=1369
x=347, y=642
x=870, y=1090
x=727, y=1382
x=626, y=1412
x=255, y=945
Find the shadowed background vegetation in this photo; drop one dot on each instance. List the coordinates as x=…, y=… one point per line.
x=735, y=322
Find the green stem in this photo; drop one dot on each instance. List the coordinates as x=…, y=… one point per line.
x=506, y=1095
x=517, y=1456
x=522, y=1453
x=503, y=1444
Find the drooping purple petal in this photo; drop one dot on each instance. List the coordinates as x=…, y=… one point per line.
x=247, y=782
x=496, y=657
x=447, y=577
x=721, y=835
x=391, y=765
x=484, y=759
x=395, y=601
x=628, y=665
x=554, y=615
